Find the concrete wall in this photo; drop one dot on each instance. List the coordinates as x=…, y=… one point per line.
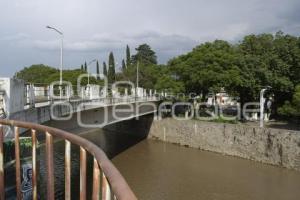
x=94, y=118
x=91, y=115
x=14, y=92
x=272, y=146
x=136, y=127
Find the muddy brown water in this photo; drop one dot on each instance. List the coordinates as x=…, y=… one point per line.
x=157, y=170
x=160, y=171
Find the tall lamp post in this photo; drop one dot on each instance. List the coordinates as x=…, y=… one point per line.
x=262, y=101
x=137, y=78
x=61, y=57
x=61, y=50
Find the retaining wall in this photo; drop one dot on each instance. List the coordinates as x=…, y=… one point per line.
x=272, y=146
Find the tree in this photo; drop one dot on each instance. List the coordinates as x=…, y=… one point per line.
x=111, y=69
x=36, y=74
x=128, y=62
x=166, y=81
x=85, y=67
x=98, y=70
x=243, y=69
x=292, y=108
x=272, y=60
x=123, y=65
x=81, y=68
x=144, y=55
x=104, y=69
x=203, y=70
x=46, y=75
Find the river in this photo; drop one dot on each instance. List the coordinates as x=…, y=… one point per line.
x=160, y=171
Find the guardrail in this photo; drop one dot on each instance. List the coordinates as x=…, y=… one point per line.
x=41, y=93
x=108, y=183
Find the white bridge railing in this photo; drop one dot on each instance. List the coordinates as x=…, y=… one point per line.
x=41, y=95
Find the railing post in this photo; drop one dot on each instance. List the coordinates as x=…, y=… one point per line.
x=34, y=178
x=2, y=188
x=67, y=170
x=82, y=174
x=106, y=194
x=18, y=164
x=96, y=181
x=49, y=165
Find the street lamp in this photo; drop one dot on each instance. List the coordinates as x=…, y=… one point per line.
x=88, y=68
x=61, y=51
x=137, y=79
x=261, y=117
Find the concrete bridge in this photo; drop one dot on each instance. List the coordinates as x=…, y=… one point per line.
x=91, y=107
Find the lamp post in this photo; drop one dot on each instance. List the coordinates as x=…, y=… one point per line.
x=61, y=50
x=61, y=57
x=137, y=78
x=88, y=68
x=262, y=101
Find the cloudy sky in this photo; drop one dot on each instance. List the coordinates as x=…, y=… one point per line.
x=93, y=28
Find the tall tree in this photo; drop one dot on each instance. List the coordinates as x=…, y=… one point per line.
x=128, y=56
x=123, y=65
x=81, y=67
x=98, y=70
x=104, y=69
x=85, y=67
x=111, y=68
x=292, y=108
x=144, y=55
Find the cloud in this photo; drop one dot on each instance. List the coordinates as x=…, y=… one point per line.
x=94, y=28
x=104, y=42
x=14, y=37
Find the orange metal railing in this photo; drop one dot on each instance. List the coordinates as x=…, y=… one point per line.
x=108, y=183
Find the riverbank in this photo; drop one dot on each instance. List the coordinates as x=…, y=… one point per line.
x=267, y=145
x=158, y=170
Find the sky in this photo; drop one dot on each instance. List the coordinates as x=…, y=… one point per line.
x=93, y=28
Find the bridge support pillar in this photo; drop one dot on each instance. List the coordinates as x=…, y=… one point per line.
x=13, y=99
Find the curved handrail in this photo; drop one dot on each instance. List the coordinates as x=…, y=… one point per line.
x=118, y=185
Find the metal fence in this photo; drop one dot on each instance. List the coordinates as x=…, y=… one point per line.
x=107, y=181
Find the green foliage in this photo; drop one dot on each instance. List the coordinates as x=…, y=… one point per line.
x=97, y=70
x=111, y=76
x=85, y=67
x=271, y=60
x=128, y=63
x=166, y=82
x=41, y=74
x=292, y=109
x=242, y=69
x=222, y=120
x=36, y=74
x=123, y=65
x=144, y=55
x=9, y=148
x=104, y=69
x=207, y=68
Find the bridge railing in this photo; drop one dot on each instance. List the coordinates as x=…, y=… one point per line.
x=107, y=181
x=41, y=93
